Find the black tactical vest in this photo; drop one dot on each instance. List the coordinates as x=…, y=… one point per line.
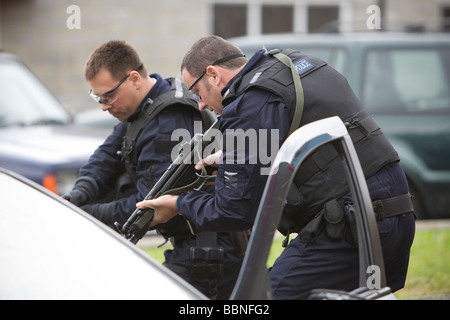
x=177, y=94
x=326, y=93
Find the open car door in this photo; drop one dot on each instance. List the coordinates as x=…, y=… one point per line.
x=253, y=281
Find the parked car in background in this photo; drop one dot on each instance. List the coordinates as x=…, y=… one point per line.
x=96, y=121
x=403, y=80
x=37, y=136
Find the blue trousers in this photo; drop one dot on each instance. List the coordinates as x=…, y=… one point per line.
x=335, y=264
x=180, y=256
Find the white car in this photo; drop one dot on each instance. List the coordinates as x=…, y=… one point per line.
x=50, y=249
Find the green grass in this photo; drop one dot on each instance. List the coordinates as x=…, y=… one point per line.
x=157, y=253
x=429, y=265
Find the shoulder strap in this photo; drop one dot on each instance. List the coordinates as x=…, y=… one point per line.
x=280, y=76
x=298, y=88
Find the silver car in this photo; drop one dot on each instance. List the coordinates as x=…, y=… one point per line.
x=50, y=249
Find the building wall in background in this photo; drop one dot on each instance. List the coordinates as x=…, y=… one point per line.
x=161, y=31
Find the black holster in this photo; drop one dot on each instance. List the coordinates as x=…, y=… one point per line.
x=338, y=219
x=335, y=222
x=334, y=219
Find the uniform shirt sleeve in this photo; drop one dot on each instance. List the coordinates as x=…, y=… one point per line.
x=240, y=180
x=105, y=165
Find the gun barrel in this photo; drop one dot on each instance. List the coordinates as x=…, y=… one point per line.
x=126, y=226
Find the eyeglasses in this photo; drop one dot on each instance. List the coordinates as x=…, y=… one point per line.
x=108, y=100
x=219, y=61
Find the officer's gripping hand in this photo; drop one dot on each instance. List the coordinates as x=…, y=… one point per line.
x=164, y=207
x=212, y=160
x=84, y=191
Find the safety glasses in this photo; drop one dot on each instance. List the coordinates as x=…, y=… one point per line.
x=106, y=98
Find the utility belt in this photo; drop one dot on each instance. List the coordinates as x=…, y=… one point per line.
x=206, y=257
x=338, y=221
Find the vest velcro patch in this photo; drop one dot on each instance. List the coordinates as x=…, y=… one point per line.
x=303, y=66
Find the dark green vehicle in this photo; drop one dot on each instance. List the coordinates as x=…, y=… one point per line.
x=403, y=80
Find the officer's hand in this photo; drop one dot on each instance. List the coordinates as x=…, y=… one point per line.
x=165, y=208
x=77, y=197
x=83, y=192
x=212, y=160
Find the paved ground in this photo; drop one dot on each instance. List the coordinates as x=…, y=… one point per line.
x=432, y=224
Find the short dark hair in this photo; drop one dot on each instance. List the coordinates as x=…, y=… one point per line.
x=116, y=56
x=207, y=50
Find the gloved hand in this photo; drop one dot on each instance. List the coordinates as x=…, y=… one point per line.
x=101, y=211
x=84, y=191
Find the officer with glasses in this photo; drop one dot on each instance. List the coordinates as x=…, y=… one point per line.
x=114, y=179
x=108, y=98
x=138, y=151
x=266, y=97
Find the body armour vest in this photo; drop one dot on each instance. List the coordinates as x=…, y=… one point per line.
x=177, y=94
x=326, y=93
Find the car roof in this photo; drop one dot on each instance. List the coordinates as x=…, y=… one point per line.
x=4, y=56
x=344, y=38
x=50, y=249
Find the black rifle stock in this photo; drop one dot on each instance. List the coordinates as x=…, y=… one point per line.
x=178, y=177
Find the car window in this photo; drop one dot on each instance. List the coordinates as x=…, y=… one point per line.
x=334, y=56
x=24, y=100
x=407, y=80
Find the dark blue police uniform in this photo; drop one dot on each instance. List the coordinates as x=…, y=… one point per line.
x=239, y=186
x=153, y=150
x=323, y=263
x=153, y=153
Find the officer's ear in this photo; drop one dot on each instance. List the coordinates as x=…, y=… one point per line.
x=136, y=78
x=214, y=73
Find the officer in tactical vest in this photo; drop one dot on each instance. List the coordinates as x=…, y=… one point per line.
x=138, y=151
x=265, y=93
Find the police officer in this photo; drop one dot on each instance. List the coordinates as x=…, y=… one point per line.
x=261, y=94
x=138, y=151
x=120, y=83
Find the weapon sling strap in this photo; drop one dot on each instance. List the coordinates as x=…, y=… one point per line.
x=295, y=124
x=203, y=177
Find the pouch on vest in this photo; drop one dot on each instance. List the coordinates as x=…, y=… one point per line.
x=312, y=230
x=332, y=218
x=335, y=222
x=124, y=186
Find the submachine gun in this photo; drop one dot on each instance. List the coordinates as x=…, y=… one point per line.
x=180, y=176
